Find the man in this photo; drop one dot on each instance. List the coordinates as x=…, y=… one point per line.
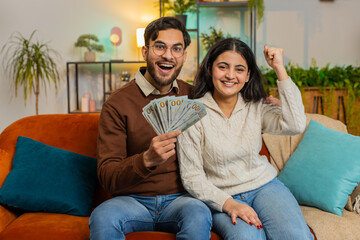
x=137, y=167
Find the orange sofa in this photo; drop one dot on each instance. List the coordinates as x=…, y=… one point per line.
x=72, y=132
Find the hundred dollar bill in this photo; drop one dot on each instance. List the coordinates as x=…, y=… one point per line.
x=174, y=106
x=190, y=108
x=160, y=106
x=192, y=120
x=151, y=117
x=193, y=112
x=173, y=113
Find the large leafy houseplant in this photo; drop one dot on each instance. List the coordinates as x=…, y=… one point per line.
x=30, y=64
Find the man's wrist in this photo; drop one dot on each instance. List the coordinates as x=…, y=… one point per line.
x=145, y=160
x=147, y=163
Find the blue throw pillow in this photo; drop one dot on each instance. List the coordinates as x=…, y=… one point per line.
x=49, y=179
x=324, y=169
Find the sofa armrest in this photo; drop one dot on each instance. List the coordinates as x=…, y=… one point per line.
x=6, y=216
x=5, y=165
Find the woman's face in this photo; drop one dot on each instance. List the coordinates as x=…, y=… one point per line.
x=229, y=74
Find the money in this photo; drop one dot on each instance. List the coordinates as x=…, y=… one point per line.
x=171, y=113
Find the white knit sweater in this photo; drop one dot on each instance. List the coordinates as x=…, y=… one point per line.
x=219, y=156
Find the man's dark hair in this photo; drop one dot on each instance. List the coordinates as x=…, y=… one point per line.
x=164, y=23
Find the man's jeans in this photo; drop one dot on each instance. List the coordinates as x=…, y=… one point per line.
x=277, y=210
x=188, y=217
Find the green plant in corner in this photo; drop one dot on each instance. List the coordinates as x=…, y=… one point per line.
x=259, y=4
x=29, y=64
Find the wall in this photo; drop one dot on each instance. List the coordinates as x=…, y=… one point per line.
x=327, y=32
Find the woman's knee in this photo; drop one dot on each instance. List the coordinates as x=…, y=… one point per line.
x=241, y=231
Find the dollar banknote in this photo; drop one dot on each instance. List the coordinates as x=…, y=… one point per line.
x=172, y=113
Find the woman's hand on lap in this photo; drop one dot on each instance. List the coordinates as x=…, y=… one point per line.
x=243, y=211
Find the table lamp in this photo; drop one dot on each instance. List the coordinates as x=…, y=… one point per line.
x=140, y=39
x=115, y=38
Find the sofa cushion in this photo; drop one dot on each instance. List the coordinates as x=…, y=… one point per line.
x=330, y=226
x=49, y=179
x=44, y=226
x=324, y=169
x=41, y=226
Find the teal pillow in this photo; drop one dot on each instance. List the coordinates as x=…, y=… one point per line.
x=49, y=179
x=324, y=169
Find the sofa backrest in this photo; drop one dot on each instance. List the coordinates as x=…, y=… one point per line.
x=72, y=132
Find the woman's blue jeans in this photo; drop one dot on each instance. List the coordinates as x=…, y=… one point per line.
x=182, y=214
x=277, y=210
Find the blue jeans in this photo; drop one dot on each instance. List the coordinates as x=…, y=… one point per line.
x=179, y=213
x=277, y=210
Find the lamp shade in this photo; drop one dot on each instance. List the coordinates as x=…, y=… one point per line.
x=140, y=36
x=115, y=36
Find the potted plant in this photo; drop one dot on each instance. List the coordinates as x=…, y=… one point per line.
x=179, y=8
x=30, y=64
x=215, y=36
x=259, y=4
x=89, y=42
x=334, y=91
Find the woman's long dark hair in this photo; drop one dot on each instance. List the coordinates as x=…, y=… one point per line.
x=253, y=90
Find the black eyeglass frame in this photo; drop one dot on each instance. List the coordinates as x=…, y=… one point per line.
x=166, y=48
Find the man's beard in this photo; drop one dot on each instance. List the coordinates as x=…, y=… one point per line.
x=158, y=80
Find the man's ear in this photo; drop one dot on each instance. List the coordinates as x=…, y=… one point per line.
x=185, y=55
x=144, y=51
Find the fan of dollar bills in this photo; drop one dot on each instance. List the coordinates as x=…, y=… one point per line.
x=169, y=114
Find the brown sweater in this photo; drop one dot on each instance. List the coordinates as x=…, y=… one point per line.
x=124, y=136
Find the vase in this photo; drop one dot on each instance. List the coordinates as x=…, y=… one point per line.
x=182, y=18
x=89, y=57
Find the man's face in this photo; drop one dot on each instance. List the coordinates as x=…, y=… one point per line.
x=162, y=66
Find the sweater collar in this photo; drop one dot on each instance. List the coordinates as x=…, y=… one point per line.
x=147, y=88
x=209, y=102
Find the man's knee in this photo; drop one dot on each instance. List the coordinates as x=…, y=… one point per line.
x=196, y=213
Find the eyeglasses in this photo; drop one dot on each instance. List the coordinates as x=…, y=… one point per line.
x=160, y=49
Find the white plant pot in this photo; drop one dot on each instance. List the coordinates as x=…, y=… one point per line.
x=89, y=57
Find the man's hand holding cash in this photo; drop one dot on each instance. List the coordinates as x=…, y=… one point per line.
x=169, y=114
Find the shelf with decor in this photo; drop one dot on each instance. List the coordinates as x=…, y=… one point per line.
x=230, y=17
x=113, y=75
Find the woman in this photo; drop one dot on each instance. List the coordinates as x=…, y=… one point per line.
x=219, y=156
